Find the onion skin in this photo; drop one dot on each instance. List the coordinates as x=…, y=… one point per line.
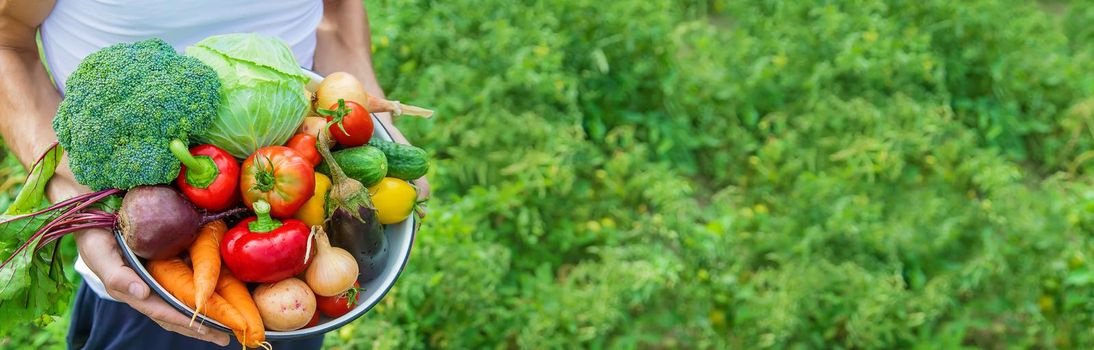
x=333, y=270
x=312, y=125
x=157, y=222
x=363, y=238
x=340, y=85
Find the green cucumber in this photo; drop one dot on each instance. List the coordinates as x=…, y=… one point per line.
x=403, y=161
x=365, y=164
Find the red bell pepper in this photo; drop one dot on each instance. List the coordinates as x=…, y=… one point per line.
x=209, y=176
x=263, y=249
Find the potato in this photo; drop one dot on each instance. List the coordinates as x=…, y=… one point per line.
x=285, y=305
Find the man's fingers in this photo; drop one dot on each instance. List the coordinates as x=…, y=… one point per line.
x=423, y=194
x=218, y=338
x=423, y=188
x=173, y=321
x=123, y=283
x=101, y=254
x=170, y=319
x=120, y=280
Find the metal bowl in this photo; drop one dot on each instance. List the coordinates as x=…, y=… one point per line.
x=400, y=238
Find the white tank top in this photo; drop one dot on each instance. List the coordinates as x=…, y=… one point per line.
x=76, y=28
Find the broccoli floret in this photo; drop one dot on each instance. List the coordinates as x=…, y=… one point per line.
x=124, y=104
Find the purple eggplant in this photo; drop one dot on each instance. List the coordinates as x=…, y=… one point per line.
x=362, y=236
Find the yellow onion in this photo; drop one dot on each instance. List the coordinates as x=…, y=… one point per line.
x=312, y=125
x=333, y=269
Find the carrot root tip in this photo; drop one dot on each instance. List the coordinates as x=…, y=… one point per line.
x=192, y=318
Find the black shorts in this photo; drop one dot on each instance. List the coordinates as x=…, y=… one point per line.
x=98, y=323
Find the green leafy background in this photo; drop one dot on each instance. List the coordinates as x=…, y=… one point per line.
x=740, y=174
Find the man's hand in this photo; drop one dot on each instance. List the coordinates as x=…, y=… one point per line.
x=101, y=253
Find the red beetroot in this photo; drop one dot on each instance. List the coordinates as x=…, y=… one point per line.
x=157, y=222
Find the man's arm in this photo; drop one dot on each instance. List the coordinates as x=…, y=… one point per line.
x=28, y=101
x=344, y=44
x=27, y=97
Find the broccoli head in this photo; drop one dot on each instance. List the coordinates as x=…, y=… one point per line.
x=124, y=104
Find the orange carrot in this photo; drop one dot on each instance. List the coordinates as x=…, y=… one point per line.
x=178, y=279
x=205, y=256
x=236, y=293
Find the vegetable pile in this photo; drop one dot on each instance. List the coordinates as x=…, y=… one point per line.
x=235, y=227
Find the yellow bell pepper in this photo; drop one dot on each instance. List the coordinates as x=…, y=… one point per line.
x=314, y=211
x=394, y=200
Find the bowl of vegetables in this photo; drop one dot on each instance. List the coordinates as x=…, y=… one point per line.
x=381, y=255
x=396, y=243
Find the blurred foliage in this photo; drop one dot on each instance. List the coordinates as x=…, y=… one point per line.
x=744, y=174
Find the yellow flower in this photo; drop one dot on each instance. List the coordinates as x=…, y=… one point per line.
x=593, y=225
x=870, y=36
x=717, y=318
x=780, y=60
x=607, y=222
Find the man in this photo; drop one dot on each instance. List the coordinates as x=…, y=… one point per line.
x=329, y=36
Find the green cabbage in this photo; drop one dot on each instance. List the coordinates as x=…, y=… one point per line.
x=262, y=91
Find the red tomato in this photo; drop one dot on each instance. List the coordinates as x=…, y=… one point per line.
x=337, y=306
x=280, y=176
x=352, y=124
x=305, y=145
x=314, y=320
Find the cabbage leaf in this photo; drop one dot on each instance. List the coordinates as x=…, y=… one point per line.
x=262, y=91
